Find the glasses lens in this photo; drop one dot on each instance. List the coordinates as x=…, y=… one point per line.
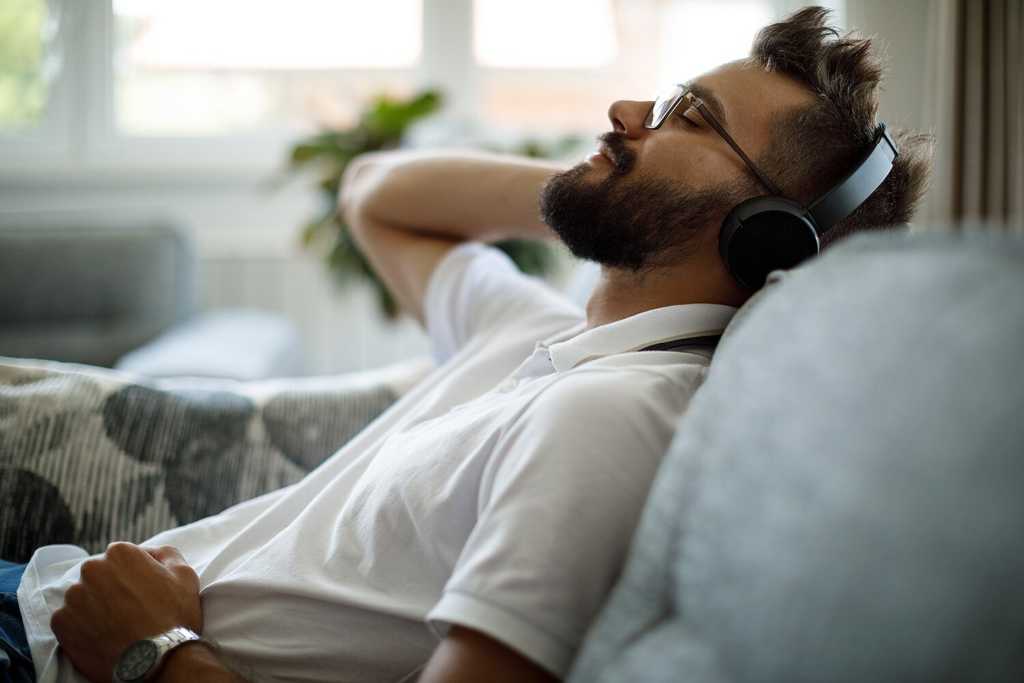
x=663, y=106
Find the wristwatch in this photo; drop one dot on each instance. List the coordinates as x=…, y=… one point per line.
x=142, y=659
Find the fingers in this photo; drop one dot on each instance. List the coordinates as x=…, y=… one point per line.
x=167, y=557
x=171, y=558
x=166, y=554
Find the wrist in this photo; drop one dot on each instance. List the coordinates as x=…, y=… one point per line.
x=194, y=661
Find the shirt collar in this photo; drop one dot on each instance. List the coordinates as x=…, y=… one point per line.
x=576, y=346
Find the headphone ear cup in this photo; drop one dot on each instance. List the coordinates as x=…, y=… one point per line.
x=765, y=234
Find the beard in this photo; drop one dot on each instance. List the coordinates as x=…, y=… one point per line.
x=634, y=223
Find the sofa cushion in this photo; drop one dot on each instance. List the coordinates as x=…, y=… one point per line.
x=89, y=456
x=842, y=501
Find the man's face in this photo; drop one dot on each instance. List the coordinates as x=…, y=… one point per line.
x=651, y=194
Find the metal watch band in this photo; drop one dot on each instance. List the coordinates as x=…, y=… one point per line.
x=167, y=641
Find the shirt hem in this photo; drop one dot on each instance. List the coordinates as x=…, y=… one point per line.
x=32, y=602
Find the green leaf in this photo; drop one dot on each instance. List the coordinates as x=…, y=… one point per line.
x=331, y=184
x=310, y=231
x=387, y=118
x=382, y=125
x=532, y=257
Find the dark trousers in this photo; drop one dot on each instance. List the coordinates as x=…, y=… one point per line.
x=15, y=658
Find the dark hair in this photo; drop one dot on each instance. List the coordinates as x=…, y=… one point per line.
x=813, y=147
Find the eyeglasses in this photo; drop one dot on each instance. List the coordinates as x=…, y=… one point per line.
x=666, y=104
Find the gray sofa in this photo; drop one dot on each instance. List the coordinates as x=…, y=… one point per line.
x=121, y=291
x=844, y=500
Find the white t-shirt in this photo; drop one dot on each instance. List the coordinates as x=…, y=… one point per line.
x=500, y=494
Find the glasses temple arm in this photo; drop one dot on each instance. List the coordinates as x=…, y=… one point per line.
x=769, y=185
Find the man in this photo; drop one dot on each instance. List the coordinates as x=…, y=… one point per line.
x=473, y=531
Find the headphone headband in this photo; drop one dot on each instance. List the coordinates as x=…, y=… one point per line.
x=766, y=233
x=857, y=186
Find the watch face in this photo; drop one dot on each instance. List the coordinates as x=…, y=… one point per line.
x=137, y=660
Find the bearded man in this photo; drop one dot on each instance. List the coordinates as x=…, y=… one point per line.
x=473, y=531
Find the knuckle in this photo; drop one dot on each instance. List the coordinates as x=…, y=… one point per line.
x=118, y=548
x=58, y=621
x=90, y=570
x=74, y=595
x=188, y=573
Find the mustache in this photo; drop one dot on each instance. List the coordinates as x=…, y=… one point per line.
x=622, y=157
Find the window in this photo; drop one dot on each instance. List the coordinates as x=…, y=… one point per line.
x=195, y=68
x=28, y=62
x=689, y=46
x=581, y=55
x=533, y=34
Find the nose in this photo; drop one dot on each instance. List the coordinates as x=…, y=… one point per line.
x=627, y=116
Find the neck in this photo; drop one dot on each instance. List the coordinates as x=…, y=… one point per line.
x=620, y=294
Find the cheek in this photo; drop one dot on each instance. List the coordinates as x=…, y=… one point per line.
x=695, y=165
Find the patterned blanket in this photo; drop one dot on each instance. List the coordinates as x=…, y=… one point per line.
x=89, y=456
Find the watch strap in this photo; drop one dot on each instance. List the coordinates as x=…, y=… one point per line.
x=166, y=642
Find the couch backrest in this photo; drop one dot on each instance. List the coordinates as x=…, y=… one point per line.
x=844, y=500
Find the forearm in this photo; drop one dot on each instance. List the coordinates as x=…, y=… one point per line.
x=468, y=195
x=196, y=662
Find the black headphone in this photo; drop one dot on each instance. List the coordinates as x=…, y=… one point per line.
x=770, y=232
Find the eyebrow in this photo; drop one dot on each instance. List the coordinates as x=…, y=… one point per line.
x=710, y=99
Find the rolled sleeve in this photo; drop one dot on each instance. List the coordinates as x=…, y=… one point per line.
x=516, y=630
x=477, y=288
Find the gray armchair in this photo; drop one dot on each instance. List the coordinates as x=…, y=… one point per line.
x=122, y=293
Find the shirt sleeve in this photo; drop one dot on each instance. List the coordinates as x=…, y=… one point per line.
x=558, y=505
x=477, y=288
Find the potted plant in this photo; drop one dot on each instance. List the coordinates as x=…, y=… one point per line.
x=381, y=125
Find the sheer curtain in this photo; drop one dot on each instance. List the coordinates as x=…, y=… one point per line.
x=977, y=112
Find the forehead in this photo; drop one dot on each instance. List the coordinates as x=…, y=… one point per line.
x=751, y=96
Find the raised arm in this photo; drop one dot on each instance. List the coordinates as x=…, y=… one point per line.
x=406, y=209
